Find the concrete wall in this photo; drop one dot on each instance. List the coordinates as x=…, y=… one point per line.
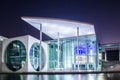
x=107, y=65
x=28, y=42
x=24, y=40
x=0, y=56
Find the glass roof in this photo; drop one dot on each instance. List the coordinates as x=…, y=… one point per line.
x=65, y=28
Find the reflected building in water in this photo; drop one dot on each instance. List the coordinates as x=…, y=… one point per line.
x=63, y=77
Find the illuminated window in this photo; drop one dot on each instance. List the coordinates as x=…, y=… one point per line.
x=80, y=50
x=15, y=55
x=34, y=56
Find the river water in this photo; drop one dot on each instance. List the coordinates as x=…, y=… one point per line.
x=101, y=76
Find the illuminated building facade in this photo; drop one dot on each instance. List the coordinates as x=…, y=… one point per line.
x=73, y=47
x=73, y=56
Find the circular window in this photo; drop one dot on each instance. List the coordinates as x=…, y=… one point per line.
x=15, y=55
x=34, y=56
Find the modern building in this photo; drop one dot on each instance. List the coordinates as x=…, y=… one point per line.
x=73, y=46
x=63, y=45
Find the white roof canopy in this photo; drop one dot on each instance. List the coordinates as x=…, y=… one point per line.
x=65, y=28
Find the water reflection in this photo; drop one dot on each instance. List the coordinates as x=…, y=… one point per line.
x=11, y=77
x=110, y=76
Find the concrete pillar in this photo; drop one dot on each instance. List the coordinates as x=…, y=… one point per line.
x=58, y=51
x=40, y=46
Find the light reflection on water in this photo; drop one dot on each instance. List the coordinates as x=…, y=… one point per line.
x=111, y=76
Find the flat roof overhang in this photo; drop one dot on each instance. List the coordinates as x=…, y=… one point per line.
x=65, y=28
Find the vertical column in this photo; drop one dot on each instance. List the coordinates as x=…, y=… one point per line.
x=65, y=55
x=78, y=39
x=74, y=56
x=78, y=45
x=58, y=49
x=40, y=47
x=40, y=77
x=105, y=55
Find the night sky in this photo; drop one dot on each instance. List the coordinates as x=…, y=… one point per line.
x=104, y=14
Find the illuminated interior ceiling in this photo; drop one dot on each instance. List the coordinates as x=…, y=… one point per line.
x=65, y=28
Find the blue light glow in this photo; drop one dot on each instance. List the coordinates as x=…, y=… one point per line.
x=90, y=46
x=80, y=50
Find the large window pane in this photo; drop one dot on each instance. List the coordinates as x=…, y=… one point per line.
x=15, y=55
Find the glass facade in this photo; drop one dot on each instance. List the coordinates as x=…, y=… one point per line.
x=34, y=56
x=15, y=55
x=75, y=53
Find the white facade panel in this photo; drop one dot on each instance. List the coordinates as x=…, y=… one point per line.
x=28, y=42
